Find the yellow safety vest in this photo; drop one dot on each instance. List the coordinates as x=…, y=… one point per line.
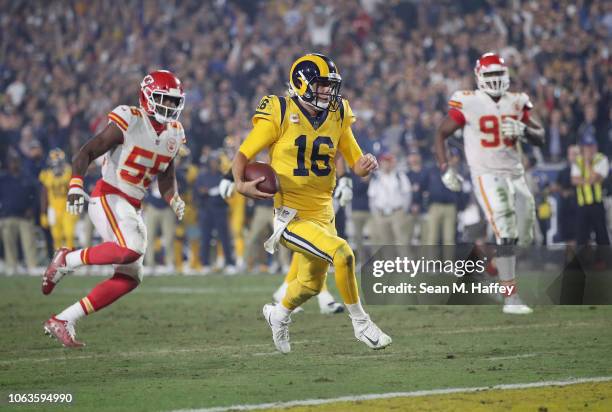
x=588, y=194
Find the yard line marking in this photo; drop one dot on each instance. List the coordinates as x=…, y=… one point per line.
x=526, y=355
x=267, y=353
x=179, y=290
x=160, y=352
x=375, y=396
x=517, y=326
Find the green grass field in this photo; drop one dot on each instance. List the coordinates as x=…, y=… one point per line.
x=198, y=342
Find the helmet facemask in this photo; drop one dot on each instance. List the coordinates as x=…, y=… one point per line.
x=166, y=106
x=329, y=99
x=493, y=80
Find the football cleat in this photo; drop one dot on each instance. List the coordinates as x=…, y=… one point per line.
x=370, y=334
x=521, y=309
x=280, y=329
x=63, y=331
x=55, y=271
x=332, y=308
x=513, y=305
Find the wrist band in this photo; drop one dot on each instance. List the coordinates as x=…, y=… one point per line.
x=169, y=198
x=76, y=181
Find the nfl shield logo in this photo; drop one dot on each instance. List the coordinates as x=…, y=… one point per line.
x=171, y=145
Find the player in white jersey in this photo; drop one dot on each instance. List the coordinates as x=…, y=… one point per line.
x=139, y=144
x=494, y=122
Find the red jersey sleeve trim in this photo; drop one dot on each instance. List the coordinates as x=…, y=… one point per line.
x=118, y=121
x=457, y=116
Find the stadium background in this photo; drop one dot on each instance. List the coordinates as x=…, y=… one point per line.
x=65, y=65
x=192, y=342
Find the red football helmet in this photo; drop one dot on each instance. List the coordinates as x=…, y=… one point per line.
x=492, y=74
x=162, y=95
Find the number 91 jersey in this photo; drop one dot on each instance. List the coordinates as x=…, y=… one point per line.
x=131, y=166
x=486, y=149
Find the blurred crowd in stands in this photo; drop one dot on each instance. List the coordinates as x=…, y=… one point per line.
x=65, y=64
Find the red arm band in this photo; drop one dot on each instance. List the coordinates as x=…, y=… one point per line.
x=75, y=181
x=525, y=117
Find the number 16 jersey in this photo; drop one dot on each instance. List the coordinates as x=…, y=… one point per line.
x=302, y=151
x=486, y=149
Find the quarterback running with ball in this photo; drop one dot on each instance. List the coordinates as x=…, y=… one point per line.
x=139, y=144
x=494, y=122
x=303, y=134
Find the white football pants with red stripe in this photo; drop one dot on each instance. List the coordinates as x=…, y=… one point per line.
x=508, y=205
x=118, y=221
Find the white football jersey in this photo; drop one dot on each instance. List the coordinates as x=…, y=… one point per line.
x=131, y=166
x=487, y=151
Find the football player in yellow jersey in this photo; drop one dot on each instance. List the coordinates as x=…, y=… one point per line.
x=54, y=181
x=303, y=133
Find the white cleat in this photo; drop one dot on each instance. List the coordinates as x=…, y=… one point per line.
x=520, y=309
x=331, y=308
x=370, y=334
x=513, y=305
x=280, y=329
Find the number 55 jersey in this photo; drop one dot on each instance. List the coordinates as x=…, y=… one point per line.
x=302, y=150
x=129, y=168
x=486, y=149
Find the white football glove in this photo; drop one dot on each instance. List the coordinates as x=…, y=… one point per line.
x=76, y=198
x=513, y=129
x=178, y=205
x=226, y=188
x=452, y=180
x=344, y=191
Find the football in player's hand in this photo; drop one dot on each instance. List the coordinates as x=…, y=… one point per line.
x=256, y=170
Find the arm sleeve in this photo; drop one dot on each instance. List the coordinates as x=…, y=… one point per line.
x=263, y=135
x=602, y=167
x=349, y=148
x=576, y=171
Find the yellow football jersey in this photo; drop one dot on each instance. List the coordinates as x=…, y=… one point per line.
x=57, y=186
x=302, y=151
